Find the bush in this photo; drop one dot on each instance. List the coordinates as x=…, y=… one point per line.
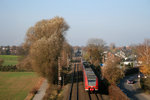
x=34, y=90
x=8, y=68
x=24, y=64
x=51, y=92
x=111, y=70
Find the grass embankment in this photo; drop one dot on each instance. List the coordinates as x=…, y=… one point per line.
x=16, y=85
x=9, y=59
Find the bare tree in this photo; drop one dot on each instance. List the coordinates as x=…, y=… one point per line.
x=43, y=43
x=112, y=47
x=95, y=50
x=24, y=63
x=46, y=28
x=66, y=53
x=20, y=50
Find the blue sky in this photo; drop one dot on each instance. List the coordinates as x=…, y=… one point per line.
x=122, y=22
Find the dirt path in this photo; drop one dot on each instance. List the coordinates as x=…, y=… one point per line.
x=41, y=91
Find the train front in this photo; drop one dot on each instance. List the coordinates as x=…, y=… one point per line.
x=93, y=83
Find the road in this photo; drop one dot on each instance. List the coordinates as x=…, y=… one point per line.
x=133, y=91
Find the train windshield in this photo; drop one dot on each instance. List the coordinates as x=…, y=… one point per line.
x=91, y=82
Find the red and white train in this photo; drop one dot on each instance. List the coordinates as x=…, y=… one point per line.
x=89, y=78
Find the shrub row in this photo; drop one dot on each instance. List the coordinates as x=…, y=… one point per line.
x=9, y=68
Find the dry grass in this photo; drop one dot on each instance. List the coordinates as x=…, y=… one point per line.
x=116, y=94
x=35, y=89
x=9, y=59
x=16, y=85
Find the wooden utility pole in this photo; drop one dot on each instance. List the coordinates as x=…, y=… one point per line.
x=67, y=61
x=59, y=71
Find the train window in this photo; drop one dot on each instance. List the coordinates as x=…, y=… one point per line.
x=91, y=77
x=91, y=82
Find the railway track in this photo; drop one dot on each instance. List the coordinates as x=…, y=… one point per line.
x=95, y=96
x=74, y=84
x=77, y=91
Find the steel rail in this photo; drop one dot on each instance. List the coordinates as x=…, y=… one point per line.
x=73, y=74
x=77, y=82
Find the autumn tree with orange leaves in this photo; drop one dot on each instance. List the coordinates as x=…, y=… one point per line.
x=111, y=71
x=143, y=51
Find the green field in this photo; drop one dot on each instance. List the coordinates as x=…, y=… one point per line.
x=16, y=85
x=9, y=59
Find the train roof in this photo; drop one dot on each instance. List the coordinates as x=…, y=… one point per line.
x=90, y=74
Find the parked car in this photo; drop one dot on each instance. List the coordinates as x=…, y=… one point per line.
x=130, y=81
x=139, y=76
x=145, y=76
